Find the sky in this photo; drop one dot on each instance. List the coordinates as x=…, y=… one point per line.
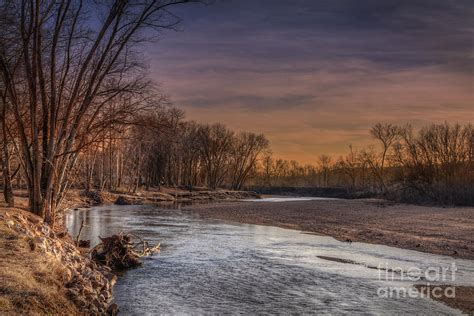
x=315, y=75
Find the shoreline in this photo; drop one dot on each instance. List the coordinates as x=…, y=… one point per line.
x=431, y=229
x=415, y=235
x=58, y=275
x=256, y=213
x=443, y=231
x=368, y=220
x=44, y=272
x=437, y=230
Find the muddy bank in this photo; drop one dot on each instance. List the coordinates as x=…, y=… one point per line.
x=463, y=296
x=445, y=231
x=183, y=196
x=329, y=192
x=78, y=198
x=43, y=272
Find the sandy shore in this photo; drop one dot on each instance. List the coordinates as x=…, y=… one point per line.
x=445, y=231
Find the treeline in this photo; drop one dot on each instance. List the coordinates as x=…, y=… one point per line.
x=77, y=110
x=433, y=164
x=151, y=145
x=163, y=149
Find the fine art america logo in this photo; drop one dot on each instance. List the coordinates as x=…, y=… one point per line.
x=440, y=276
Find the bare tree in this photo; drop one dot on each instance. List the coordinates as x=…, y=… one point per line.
x=350, y=165
x=215, y=143
x=61, y=66
x=5, y=153
x=387, y=134
x=246, y=149
x=324, y=162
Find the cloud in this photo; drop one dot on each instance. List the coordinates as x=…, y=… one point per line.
x=315, y=75
x=253, y=102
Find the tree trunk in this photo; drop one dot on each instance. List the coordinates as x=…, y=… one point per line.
x=5, y=159
x=7, y=184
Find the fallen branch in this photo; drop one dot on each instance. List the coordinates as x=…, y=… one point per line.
x=120, y=251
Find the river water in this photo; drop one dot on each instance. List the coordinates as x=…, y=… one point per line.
x=209, y=267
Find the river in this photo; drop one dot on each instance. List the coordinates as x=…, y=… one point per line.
x=209, y=267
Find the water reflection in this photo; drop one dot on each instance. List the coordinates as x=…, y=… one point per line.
x=215, y=267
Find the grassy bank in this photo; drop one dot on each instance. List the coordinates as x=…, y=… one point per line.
x=42, y=271
x=30, y=281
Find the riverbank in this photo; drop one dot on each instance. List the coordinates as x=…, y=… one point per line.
x=43, y=272
x=181, y=195
x=287, y=269
x=444, y=231
x=330, y=192
x=78, y=198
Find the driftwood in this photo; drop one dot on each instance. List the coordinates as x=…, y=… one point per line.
x=122, y=251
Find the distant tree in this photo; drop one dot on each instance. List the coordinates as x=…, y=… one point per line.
x=350, y=165
x=215, y=143
x=267, y=169
x=387, y=134
x=246, y=147
x=324, y=163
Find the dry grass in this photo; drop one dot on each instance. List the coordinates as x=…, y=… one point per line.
x=31, y=282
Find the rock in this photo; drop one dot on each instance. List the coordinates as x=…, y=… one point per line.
x=86, y=284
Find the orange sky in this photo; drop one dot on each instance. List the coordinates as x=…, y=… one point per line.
x=313, y=78
x=330, y=123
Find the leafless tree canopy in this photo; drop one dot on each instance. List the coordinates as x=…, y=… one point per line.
x=69, y=71
x=162, y=148
x=433, y=164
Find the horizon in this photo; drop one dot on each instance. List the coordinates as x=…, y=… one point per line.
x=246, y=157
x=342, y=68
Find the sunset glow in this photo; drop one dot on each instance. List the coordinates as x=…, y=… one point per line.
x=315, y=75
